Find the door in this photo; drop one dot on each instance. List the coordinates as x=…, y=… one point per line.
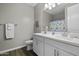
x=40, y=48
x=49, y=50
x=35, y=45
x=63, y=53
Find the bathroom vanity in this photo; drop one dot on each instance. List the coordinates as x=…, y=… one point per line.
x=59, y=45
x=55, y=45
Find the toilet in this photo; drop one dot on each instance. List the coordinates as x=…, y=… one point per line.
x=29, y=44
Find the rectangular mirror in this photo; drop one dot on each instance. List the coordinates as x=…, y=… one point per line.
x=73, y=18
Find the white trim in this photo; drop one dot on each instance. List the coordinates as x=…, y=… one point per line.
x=12, y=49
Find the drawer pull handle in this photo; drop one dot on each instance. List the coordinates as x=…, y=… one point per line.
x=57, y=53
x=54, y=52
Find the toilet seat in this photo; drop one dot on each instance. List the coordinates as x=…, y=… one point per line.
x=29, y=41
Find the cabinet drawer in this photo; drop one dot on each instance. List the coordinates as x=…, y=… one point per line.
x=40, y=38
x=35, y=37
x=63, y=53
x=63, y=46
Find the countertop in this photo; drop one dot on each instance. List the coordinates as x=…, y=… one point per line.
x=60, y=38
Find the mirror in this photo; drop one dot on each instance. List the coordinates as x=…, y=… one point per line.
x=73, y=18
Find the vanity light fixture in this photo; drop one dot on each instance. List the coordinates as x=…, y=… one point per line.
x=51, y=5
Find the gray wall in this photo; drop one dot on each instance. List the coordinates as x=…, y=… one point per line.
x=59, y=16
x=23, y=16
x=42, y=17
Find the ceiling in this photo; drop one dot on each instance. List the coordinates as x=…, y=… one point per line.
x=55, y=10
x=59, y=8
x=32, y=4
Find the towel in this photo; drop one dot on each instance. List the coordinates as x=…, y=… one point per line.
x=9, y=31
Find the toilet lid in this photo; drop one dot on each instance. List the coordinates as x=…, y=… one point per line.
x=29, y=41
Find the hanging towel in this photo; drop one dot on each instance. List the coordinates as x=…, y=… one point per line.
x=9, y=31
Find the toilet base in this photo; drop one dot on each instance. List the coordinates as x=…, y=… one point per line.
x=29, y=47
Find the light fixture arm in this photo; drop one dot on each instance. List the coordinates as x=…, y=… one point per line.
x=51, y=5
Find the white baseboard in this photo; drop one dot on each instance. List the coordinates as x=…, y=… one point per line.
x=12, y=49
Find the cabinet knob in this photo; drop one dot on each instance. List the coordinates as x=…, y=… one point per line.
x=57, y=53
x=54, y=52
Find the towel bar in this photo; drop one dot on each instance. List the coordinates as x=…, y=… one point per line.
x=4, y=24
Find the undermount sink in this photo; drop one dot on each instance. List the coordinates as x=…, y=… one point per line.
x=48, y=33
x=67, y=37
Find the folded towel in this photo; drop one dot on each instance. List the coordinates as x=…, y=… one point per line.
x=9, y=31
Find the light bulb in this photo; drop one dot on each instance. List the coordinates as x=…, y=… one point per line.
x=58, y=3
x=53, y=5
x=50, y=7
x=49, y=4
x=46, y=6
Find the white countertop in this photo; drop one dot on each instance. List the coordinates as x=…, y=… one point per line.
x=72, y=41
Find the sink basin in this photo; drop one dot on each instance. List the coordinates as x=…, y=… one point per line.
x=47, y=33
x=61, y=36
x=73, y=39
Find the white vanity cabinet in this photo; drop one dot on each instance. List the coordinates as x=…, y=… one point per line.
x=38, y=45
x=35, y=44
x=53, y=49
x=46, y=46
x=63, y=53
x=60, y=48
x=49, y=50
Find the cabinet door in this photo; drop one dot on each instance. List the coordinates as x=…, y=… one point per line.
x=49, y=50
x=40, y=48
x=63, y=53
x=35, y=45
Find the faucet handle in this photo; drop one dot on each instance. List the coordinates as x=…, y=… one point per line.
x=53, y=33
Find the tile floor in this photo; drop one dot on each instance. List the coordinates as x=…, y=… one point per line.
x=19, y=52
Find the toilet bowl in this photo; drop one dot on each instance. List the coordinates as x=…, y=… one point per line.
x=29, y=44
